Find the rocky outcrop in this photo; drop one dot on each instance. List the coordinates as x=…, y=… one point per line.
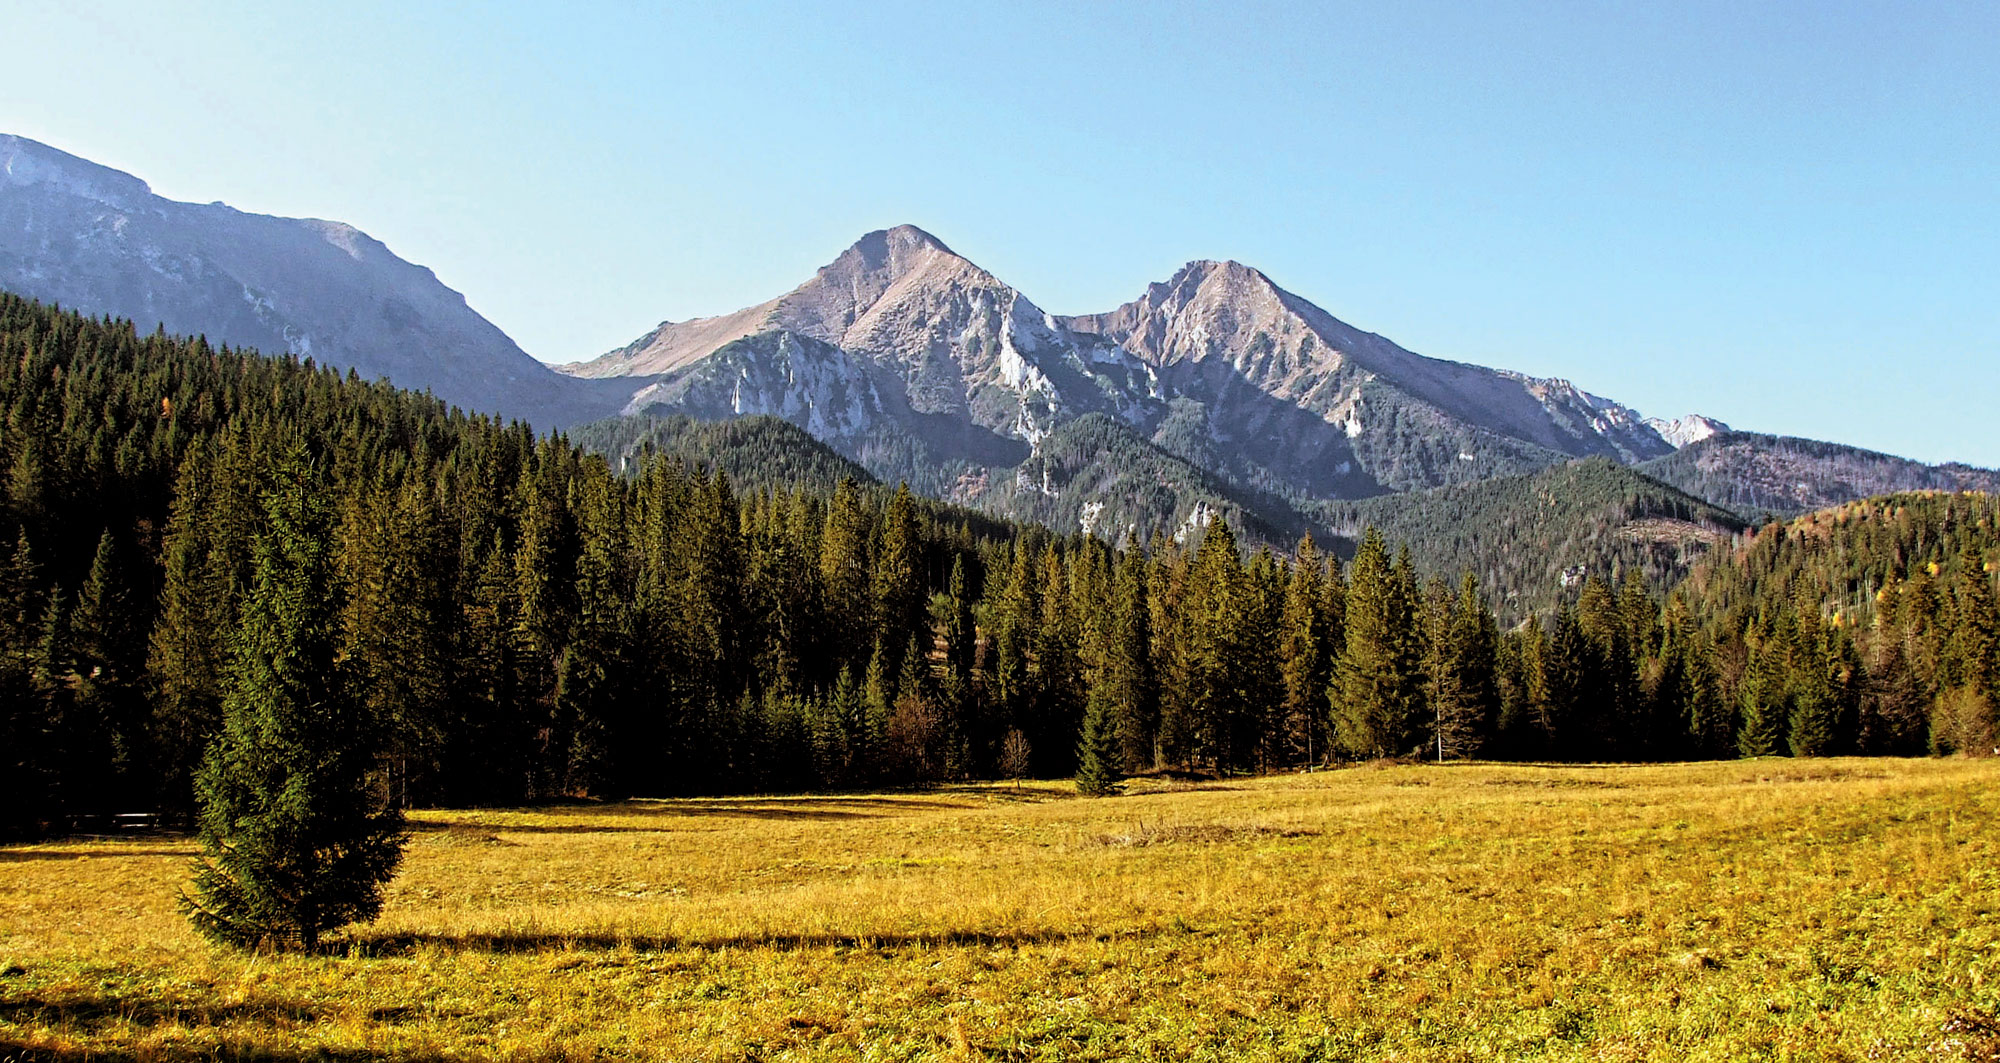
x=1682, y=431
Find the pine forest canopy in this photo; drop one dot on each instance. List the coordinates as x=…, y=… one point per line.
x=525, y=622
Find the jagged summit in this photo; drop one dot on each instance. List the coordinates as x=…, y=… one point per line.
x=879, y=271
x=1206, y=309
x=919, y=331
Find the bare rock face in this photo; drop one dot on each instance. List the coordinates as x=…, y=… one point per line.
x=1682, y=431
x=99, y=241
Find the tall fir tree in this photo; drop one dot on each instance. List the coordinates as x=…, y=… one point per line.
x=897, y=574
x=1128, y=678
x=188, y=652
x=110, y=674
x=1376, y=692
x=1462, y=662
x=297, y=836
x=24, y=797
x=1303, y=654
x=1099, y=751
x=1764, y=693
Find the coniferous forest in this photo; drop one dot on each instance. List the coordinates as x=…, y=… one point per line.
x=502, y=618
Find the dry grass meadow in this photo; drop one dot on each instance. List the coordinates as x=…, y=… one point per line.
x=1813, y=910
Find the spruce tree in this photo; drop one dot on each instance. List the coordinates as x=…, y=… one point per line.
x=1099, y=751
x=1017, y=614
x=1209, y=665
x=1521, y=731
x=109, y=666
x=869, y=737
x=1571, y=677
x=1302, y=654
x=1815, y=721
x=189, y=647
x=1128, y=666
x=489, y=741
x=393, y=629
x=897, y=575
x=1463, y=661
x=297, y=838
x=1058, y=706
x=23, y=730
x=1377, y=688
x=844, y=576
x=76, y=755
x=1763, y=692
x=827, y=734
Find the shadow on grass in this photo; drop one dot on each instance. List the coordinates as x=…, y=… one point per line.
x=91, y=1013
x=510, y=942
x=85, y=1016
x=652, y=810
x=9, y=856
x=15, y=1051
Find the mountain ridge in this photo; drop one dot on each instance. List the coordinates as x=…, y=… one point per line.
x=88, y=236
x=1295, y=399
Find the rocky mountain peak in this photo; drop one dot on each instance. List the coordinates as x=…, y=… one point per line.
x=1216, y=360
x=883, y=248
x=1208, y=309
x=885, y=256
x=884, y=270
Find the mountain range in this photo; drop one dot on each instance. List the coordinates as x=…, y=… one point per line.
x=902, y=346
x=1215, y=391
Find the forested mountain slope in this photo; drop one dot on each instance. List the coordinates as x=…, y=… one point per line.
x=1530, y=538
x=1880, y=614
x=1098, y=476
x=1762, y=475
x=756, y=453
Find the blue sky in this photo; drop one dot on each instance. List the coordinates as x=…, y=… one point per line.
x=1785, y=215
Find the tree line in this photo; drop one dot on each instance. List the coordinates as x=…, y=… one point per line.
x=514, y=620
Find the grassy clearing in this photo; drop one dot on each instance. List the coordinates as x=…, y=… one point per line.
x=1822, y=910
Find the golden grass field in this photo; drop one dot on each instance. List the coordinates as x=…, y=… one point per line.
x=1773, y=909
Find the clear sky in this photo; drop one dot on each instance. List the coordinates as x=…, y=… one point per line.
x=1785, y=215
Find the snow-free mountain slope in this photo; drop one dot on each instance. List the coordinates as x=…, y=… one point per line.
x=825, y=308
x=98, y=240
